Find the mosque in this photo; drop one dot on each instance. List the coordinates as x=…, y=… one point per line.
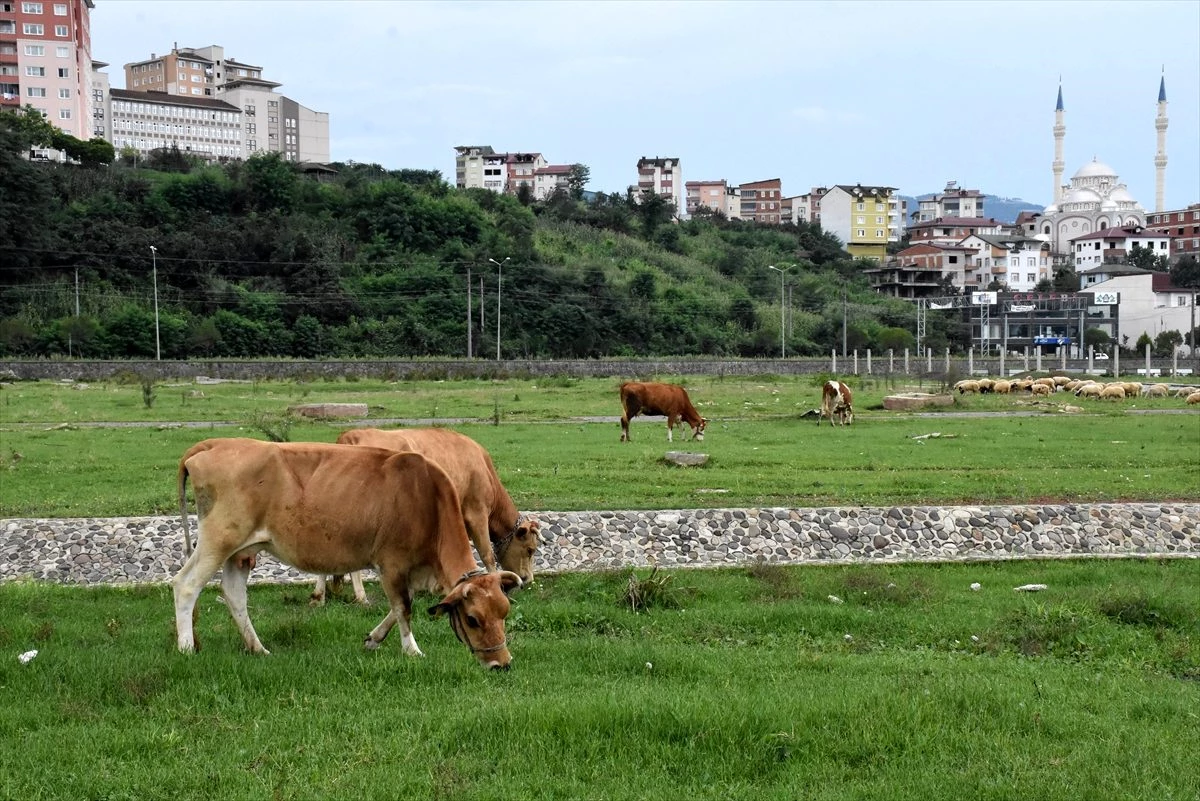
x=1095, y=199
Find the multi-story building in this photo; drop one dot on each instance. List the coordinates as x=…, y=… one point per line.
x=1017, y=263
x=922, y=270
x=953, y=229
x=46, y=61
x=273, y=122
x=199, y=126
x=550, y=179
x=1113, y=246
x=1182, y=225
x=481, y=167
x=807, y=208
x=762, y=201
x=951, y=202
x=706, y=194
x=859, y=216
x=663, y=176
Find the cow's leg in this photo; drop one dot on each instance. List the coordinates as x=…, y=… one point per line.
x=625, y=427
x=400, y=611
x=360, y=594
x=670, y=428
x=475, y=515
x=318, y=594
x=186, y=586
x=234, y=574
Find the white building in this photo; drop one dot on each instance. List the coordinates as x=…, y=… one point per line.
x=1148, y=303
x=1091, y=252
x=662, y=176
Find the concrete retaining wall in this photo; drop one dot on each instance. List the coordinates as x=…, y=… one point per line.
x=150, y=549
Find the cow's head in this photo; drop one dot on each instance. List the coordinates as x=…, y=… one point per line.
x=515, y=550
x=477, y=607
x=698, y=429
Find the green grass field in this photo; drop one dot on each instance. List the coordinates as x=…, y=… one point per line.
x=762, y=451
x=743, y=683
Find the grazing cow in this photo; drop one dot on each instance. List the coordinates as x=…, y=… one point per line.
x=666, y=399
x=333, y=509
x=836, y=398
x=497, y=529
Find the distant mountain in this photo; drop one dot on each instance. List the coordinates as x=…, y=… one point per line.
x=1003, y=209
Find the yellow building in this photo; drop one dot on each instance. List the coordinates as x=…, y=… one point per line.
x=860, y=216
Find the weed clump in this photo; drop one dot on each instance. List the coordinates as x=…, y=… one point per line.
x=653, y=591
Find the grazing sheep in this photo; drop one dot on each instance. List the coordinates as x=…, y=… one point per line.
x=966, y=386
x=1115, y=392
x=1193, y=399
x=1022, y=384
x=1091, y=390
x=1044, y=382
x=1041, y=389
x=1072, y=385
x=986, y=385
x=1061, y=380
x=1132, y=389
x=1157, y=391
x=1001, y=387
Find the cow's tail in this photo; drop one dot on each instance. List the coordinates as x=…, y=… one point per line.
x=181, y=481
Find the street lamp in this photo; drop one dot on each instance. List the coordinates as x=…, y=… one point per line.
x=499, y=277
x=782, y=307
x=154, y=261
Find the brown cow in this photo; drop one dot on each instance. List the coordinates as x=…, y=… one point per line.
x=333, y=509
x=652, y=398
x=497, y=529
x=836, y=398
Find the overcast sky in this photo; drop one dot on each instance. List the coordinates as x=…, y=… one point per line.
x=904, y=94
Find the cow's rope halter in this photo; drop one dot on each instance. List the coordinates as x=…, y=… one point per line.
x=500, y=546
x=456, y=622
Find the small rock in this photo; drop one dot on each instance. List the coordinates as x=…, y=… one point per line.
x=1030, y=588
x=975, y=586
x=836, y=600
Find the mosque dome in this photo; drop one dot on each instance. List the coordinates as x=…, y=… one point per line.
x=1081, y=195
x=1095, y=169
x=1108, y=205
x=1121, y=195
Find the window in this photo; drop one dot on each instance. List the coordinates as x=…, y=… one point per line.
x=60, y=9
x=1031, y=278
x=31, y=8
x=64, y=72
x=64, y=113
x=861, y=232
x=35, y=72
x=62, y=52
x=861, y=206
x=879, y=221
x=861, y=219
x=33, y=29
x=36, y=91
x=64, y=94
x=60, y=30
x=879, y=233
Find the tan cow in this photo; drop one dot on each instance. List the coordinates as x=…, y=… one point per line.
x=333, y=509
x=836, y=398
x=497, y=529
x=651, y=398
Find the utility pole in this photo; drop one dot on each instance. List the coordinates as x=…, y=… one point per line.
x=468, y=311
x=154, y=262
x=782, y=311
x=843, y=321
x=499, y=280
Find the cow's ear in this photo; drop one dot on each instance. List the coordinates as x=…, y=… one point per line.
x=439, y=609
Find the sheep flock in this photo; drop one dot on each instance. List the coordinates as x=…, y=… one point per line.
x=1080, y=387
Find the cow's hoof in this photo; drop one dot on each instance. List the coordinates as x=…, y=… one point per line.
x=370, y=644
x=316, y=601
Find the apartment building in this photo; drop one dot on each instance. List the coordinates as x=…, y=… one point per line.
x=951, y=202
x=762, y=201
x=46, y=61
x=550, y=179
x=663, y=176
x=273, y=122
x=1182, y=225
x=927, y=269
x=1113, y=246
x=481, y=167
x=859, y=216
x=1019, y=263
x=953, y=229
x=199, y=126
x=715, y=196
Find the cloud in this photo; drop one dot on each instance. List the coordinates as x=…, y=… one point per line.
x=818, y=114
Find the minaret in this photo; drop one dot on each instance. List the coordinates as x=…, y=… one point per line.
x=1060, y=130
x=1160, y=156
